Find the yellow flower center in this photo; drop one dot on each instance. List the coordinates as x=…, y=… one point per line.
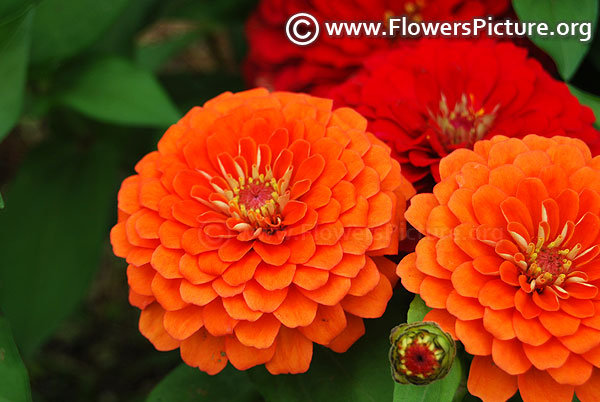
x=463, y=125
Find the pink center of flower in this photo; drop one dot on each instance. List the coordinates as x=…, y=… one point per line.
x=255, y=195
x=463, y=125
x=549, y=260
x=420, y=360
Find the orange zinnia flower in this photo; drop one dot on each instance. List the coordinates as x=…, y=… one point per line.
x=510, y=265
x=257, y=228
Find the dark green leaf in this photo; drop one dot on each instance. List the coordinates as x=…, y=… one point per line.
x=588, y=99
x=1, y=202
x=362, y=374
x=417, y=310
x=15, y=38
x=13, y=9
x=116, y=91
x=567, y=52
x=52, y=235
x=438, y=391
x=62, y=28
x=153, y=56
x=187, y=384
x=14, y=381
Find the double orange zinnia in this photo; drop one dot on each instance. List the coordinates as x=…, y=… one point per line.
x=510, y=265
x=257, y=228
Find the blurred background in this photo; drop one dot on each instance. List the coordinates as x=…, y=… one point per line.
x=87, y=88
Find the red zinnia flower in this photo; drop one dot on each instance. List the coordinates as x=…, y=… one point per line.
x=277, y=63
x=257, y=228
x=510, y=265
x=429, y=99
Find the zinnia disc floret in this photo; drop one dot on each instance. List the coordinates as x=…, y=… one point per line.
x=510, y=265
x=259, y=227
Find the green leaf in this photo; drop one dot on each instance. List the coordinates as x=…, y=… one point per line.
x=15, y=38
x=567, y=52
x=438, y=391
x=188, y=384
x=362, y=374
x=116, y=91
x=417, y=310
x=1, y=202
x=62, y=28
x=13, y=9
x=14, y=381
x=590, y=100
x=52, y=235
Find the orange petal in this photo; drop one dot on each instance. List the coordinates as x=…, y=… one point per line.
x=419, y=210
x=465, y=239
x=151, y=326
x=211, y=264
x=538, y=386
x=293, y=353
x=486, y=205
x=260, y=333
x=331, y=293
x=140, y=279
x=461, y=205
x=529, y=331
x=509, y=356
x=140, y=301
x=473, y=335
x=589, y=391
x=467, y=281
x=326, y=257
x=351, y=265
x=296, y=310
x=366, y=280
x=488, y=264
x=355, y=328
x=272, y=254
x=525, y=305
x=188, y=266
x=329, y=322
x=499, y=323
x=575, y=371
x=489, y=382
x=441, y=221
x=166, y=262
x=497, y=295
x=435, y=291
x=243, y=357
x=181, y=324
x=410, y=276
x=584, y=340
x=233, y=250
x=357, y=241
x=464, y=308
x=549, y=355
x=559, y=323
x=199, y=295
x=310, y=278
x=426, y=259
x=273, y=277
x=167, y=293
x=260, y=299
x=241, y=271
x=448, y=254
x=216, y=320
x=237, y=309
x=301, y=248
x=204, y=351
x=371, y=305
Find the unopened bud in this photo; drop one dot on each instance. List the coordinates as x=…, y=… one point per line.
x=421, y=353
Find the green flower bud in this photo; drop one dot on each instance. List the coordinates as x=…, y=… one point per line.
x=421, y=353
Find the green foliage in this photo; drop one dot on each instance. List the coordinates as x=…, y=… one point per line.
x=567, y=52
x=116, y=91
x=438, y=391
x=51, y=236
x=14, y=381
x=417, y=310
x=15, y=37
x=187, y=384
x=62, y=28
x=590, y=100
